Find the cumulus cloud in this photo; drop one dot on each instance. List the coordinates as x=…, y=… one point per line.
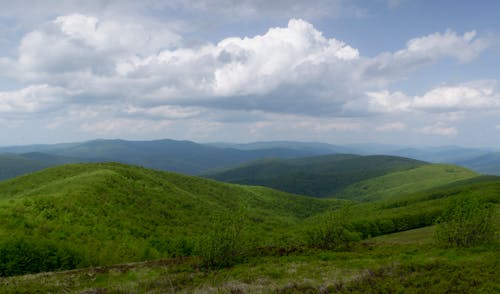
x=425, y=50
x=80, y=43
x=130, y=72
x=469, y=96
x=32, y=99
x=443, y=99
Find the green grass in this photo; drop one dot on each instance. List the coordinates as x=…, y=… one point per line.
x=402, y=183
x=381, y=264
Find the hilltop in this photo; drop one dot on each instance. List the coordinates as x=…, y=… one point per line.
x=319, y=176
x=109, y=213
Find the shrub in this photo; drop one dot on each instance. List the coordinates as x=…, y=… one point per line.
x=24, y=255
x=333, y=232
x=219, y=247
x=465, y=222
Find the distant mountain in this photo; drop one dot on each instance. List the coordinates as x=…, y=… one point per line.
x=444, y=154
x=310, y=147
x=195, y=159
x=169, y=155
x=319, y=176
x=40, y=148
x=12, y=165
x=487, y=163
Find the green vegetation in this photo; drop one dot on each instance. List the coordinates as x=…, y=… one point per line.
x=405, y=182
x=319, y=176
x=333, y=231
x=221, y=246
x=110, y=213
x=380, y=265
x=201, y=235
x=466, y=222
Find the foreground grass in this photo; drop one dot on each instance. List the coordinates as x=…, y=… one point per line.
x=403, y=262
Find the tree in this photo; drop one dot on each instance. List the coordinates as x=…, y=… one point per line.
x=465, y=222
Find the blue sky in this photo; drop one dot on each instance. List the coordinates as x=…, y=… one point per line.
x=381, y=71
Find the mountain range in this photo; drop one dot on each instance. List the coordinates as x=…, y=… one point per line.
x=195, y=158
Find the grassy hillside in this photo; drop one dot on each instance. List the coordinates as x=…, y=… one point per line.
x=99, y=214
x=320, y=176
x=405, y=182
x=108, y=213
x=406, y=262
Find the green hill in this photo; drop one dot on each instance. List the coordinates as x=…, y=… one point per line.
x=107, y=213
x=319, y=176
x=405, y=182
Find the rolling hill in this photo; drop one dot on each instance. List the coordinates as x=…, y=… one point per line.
x=105, y=213
x=320, y=176
x=405, y=182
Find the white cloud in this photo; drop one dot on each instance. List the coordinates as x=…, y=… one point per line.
x=388, y=66
x=32, y=99
x=115, y=36
x=393, y=126
x=451, y=100
x=292, y=69
x=118, y=78
x=477, y=95
x=119, y=126
x=164, y=111
x=258, y=65
x=439, y=129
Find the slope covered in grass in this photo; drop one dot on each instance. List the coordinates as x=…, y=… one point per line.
x=405, y=182
x=109, y=213
x=405, y=262
x=320, y=176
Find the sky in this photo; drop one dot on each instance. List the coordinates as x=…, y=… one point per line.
x=376, y=71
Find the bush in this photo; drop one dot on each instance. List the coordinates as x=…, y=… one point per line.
x=333, y=232
x=465, y=222
x=27, y=255
x=220, y=246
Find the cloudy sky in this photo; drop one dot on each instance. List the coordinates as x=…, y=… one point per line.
x=383, y=71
